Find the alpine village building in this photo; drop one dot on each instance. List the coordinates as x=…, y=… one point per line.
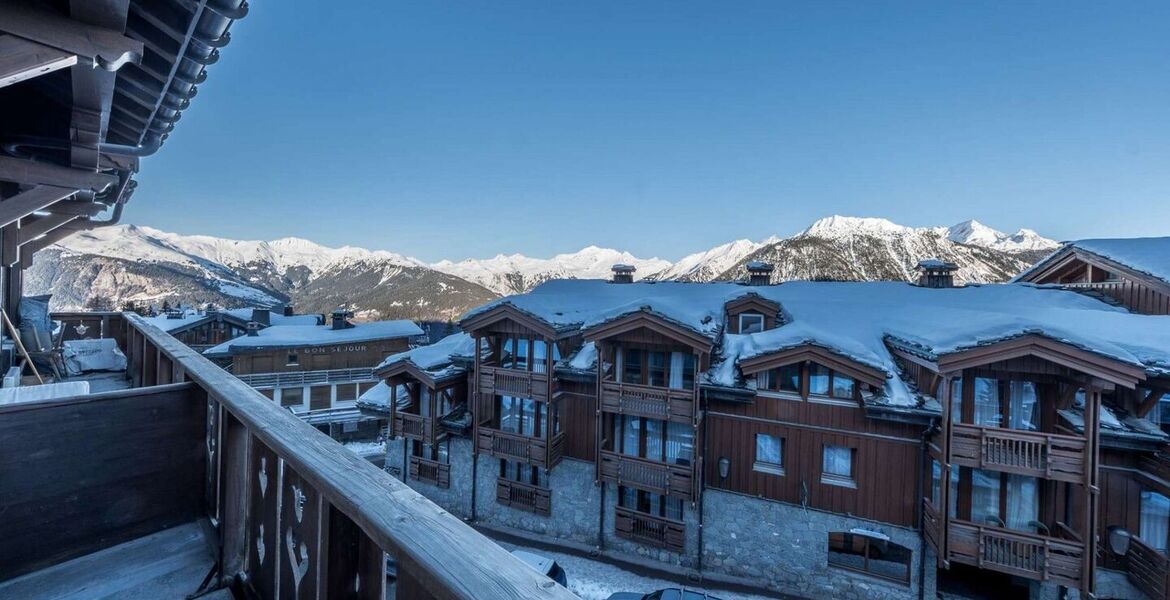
x=821, y=439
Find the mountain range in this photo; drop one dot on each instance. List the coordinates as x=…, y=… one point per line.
x=112, y=266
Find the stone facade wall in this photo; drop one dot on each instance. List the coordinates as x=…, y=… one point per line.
x=575, y=503
x=456, y=499
x=688, y=558
x=786, y=548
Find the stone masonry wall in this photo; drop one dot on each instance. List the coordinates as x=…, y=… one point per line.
x=688, y=558
x=456, y=499
x=785, y=548
x=575, y=503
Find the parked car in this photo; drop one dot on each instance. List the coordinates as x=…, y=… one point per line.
x=664, y=594
x=543, y=565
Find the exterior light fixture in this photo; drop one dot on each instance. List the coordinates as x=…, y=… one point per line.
x=1119, y=540
x=724, y=467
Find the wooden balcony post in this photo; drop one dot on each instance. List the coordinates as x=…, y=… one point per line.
x=945, y=476
x=1092, y=435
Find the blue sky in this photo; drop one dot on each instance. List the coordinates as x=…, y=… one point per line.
x=457, y=129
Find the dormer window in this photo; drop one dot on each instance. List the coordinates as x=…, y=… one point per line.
x=751, y=323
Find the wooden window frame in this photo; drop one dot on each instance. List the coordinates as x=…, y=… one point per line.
x=805, y=391
x=753, y=315
x=537, y=422
x=619, y=440
x=869, y=539
x=619, y=369
x=840, y=480
x=768, y=468
x=292, y=360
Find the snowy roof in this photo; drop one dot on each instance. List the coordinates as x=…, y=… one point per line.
x=854, y=320
x=1149, y=255
x=934, y=263
x=192, y=317
x=436, y=356
x=282, y=336
x=379, y=396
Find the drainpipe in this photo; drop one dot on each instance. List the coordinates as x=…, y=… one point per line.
x=601, y=520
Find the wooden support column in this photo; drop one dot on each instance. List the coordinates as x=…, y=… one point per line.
x=1089, y=534
x=945, y=484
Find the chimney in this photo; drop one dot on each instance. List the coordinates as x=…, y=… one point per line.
x=935, y=273
x=288, y=310
x=262, y=316
x=174, y=313
x=253, y=328
x=339, y=319
x=623, y=273
x=759, y=272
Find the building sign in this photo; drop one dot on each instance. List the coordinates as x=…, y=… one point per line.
x=334, y=349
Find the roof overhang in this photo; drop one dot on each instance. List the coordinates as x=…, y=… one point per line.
x=1055, y=351
x=817, y=354
x=408, y=368
x=750, y=301
x=648, y=319
x=506, y=311
x=1071, y=254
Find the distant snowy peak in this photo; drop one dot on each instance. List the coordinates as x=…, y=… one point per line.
x=516, y=273
x=837, y=227
x=974, y=233
x=706, y=265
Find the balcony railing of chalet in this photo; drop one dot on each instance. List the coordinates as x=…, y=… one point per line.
x=1157, y=465
x=648, y=401
x=932, y=523
x=302, y=378
x=430, y=471
x=518, y=447
x=92, y=325
x=415, y=427
x=523, y=496
x=1028, y=555
x=1047, y=455
x=650, y=475
x=651, y=531
x=293, y=511
x=1148, y=570
x=512, y=382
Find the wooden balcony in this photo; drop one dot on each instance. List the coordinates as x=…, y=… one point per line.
x=523, y=496
x=510, y=382
x=647, y=401
x=1028, y=555
x=1045, y=455
x=649, y=475
x=520, y=448
x=651, y=531
x=414, y=427
x=1148, y=570
x=1156, y=465
x=291, y=509
x=430, y=471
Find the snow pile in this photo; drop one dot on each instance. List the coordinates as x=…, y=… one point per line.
x=435, y=355
x=279, y=336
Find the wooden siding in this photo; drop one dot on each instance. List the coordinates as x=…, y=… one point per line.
x=320, y=357
x=885, y=465
x=141, y=471
x=578, y=406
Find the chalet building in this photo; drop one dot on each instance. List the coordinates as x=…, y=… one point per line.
x=203, y=329
x=317, y=371
x=814, y=438
x=1134, y=272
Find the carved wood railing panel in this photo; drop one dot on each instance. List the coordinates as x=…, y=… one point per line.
x=1045, y=455
x=651, y=531
x=429, y=471
x=667, y=404
x=310, y=519
x=523, y=496
x=1148, y=569
x=1032, y=556
x=649, y=475
x=512, y=382
x=512, y=446
x=414, y=427
x=932, y=524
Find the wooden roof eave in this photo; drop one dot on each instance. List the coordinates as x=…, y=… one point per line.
x=509, y=312
x=1067, y=256
x=650, y=320
x=753, y=300
x=1061, y=353
x=819, y=354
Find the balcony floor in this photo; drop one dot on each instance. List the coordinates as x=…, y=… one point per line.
x=164, y=565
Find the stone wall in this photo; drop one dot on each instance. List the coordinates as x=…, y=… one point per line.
x=456, y=499
x=575, y=503
x=688, y=558
x=785, y=548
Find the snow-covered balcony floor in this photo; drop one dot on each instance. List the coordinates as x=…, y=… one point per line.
x=164, y=565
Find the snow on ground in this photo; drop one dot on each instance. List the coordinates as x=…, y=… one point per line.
x=596, y=580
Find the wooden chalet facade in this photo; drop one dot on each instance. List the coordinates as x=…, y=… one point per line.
x=1133, y=272
x=987, y=462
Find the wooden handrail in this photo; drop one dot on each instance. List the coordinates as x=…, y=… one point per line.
x=446, y=557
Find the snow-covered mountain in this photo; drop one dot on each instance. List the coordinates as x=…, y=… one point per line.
x=518, y=273
x=111, y=266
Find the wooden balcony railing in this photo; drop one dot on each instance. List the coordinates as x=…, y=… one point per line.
x=1027, y=555
x=523, y=496
x=511, y=382
x=1045, y=455
x=521, y=448
x=651, y=476
x=646, y=401
x=932, y=524
x=302, y=378
x=92, y=325
x=1156, y=465
x=430, y=471
x=651, y=531
x=1148, y=569
x=298, y=512
x=414, y=427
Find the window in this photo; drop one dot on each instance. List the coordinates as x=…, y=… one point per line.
x=680, y=444
x=655, y=505
x=293, y=359
x=539, y=356
x=294, y=396
x=985, y=498
x=818, y=379
x=1155, y=520
x=987, y=409
x=751, y=323
x=346, y=392
x=781, y=379
x=672, y=443
x=769, y=454
x=517, y=471
x=631, y=366
x=682, y=370
x=656, y=368
x=521, y=415
x=837, y=466
x=656, y=372
x=842, y=387
x=870, y=553
x=1024, y=410
x=935, y=483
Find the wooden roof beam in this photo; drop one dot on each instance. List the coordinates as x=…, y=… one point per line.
x=21, y=205
x=22, y=59
x=28, y=172
x=1153, y=397
x=79, y=208
x=106, y=48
